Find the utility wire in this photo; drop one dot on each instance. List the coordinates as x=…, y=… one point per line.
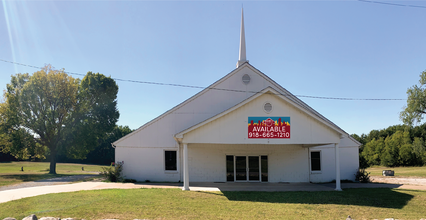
x=393, y=4
x=202, y=87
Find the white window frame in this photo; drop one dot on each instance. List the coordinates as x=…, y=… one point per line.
x=310, y=161
x=177, y=161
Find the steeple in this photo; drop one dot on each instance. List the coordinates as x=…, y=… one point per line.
x=242, y=58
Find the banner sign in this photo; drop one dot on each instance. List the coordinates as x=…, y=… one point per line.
x=268, y=127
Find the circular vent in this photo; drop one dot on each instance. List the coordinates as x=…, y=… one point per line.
x=246, y=79
x=267, y=107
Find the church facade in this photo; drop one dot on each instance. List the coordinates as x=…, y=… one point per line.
x=244, y=127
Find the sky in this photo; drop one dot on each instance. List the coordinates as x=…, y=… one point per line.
x=340, y=49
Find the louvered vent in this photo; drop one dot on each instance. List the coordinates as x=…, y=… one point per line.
x=267, y=107
x=246, y=79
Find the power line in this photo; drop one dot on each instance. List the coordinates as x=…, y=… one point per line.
x=393, y=4
x=202, y=87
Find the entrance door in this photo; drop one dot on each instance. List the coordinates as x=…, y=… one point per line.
x=240, y=168
x=247, y=168
x=253, y=168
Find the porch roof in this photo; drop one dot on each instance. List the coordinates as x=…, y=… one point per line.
x=179, y=137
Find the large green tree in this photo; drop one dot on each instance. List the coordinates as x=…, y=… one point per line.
x=416, y=102
x=63, y=115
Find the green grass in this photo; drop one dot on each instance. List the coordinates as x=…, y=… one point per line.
x=399, y=171
x=177, y=204
x=10, y=172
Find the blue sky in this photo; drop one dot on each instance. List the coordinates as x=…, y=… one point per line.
x=351, y=49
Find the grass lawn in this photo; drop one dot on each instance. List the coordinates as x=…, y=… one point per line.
x=177, y=204
x=10, y=172
x=399, y=171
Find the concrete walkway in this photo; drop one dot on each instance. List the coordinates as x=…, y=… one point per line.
x=9, y=195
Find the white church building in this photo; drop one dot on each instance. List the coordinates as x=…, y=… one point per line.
x=245, y=127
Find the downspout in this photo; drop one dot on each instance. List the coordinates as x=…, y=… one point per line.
x=113, y=146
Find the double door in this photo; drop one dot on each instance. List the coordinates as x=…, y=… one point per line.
x=247, y=168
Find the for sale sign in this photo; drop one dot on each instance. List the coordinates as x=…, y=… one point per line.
x=268, y=127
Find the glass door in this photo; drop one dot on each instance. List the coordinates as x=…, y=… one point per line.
x=240, y=168
x=247, y=168
x=253, y=164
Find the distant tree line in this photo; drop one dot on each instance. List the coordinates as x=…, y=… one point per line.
x=398, y=145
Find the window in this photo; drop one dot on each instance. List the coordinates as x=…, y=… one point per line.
x=229, y=168
x=267, y=107
x=170, y=160
x=264, y=165
x=316, y=161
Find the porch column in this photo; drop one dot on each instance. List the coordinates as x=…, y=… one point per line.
x=337, y=159
x=185, y=168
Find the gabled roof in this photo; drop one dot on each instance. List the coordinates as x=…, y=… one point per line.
x=267, y=90
x=282, y=92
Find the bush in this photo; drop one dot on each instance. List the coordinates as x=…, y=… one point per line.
x=113, y=173
x=129, y=181
x=362, y=176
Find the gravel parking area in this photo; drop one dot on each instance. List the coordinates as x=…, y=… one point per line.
x=399, y=180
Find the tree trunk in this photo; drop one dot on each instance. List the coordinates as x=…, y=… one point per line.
x=52, y=169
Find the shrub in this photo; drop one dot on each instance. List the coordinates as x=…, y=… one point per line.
x=129, y=181
x=362, y=176
x=113, y=173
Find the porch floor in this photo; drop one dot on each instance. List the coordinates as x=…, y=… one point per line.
x=266, y=187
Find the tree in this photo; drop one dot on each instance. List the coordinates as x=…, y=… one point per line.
x=419, y=151
x=373, y=150
x=104, y=153
x=363, y=164
x=63, y=115
x=416, y=102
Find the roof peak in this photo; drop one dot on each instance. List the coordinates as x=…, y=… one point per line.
x=242, y=58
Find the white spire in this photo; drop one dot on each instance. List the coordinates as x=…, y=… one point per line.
x=242, y=59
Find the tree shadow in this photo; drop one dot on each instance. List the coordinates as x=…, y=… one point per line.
x=377, y=197
x=32, y=177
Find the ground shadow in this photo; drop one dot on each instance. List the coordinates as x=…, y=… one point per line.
x=376, y=197
x=33, y=177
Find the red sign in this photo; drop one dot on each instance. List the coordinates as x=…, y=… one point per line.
x=269, y=127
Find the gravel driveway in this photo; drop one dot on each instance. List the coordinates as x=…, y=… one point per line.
x=399, y=180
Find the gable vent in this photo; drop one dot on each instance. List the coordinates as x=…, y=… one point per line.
x=267, y=107
x=246, y=79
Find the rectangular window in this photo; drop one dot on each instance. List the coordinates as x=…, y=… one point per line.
x=229, y=168
x=170, y=159
x=264, y=165
x=316, y=161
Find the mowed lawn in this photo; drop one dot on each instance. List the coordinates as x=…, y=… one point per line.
x=399, y=171
x=123, y=204
x=10, y=171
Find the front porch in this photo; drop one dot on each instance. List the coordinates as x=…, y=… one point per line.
x=273, y=167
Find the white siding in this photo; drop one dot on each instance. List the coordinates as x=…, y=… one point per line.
x=144, y=164
x=232, y=127
x=349, y=164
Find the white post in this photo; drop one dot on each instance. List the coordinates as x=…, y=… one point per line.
x=185, y=168
x=337, y=159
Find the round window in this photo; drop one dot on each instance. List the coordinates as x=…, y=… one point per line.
x=246, y=79
x=267, y=107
